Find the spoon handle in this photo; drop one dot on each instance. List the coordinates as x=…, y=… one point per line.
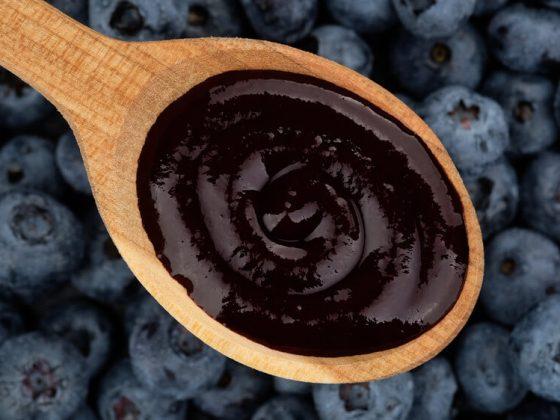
x=83, y=73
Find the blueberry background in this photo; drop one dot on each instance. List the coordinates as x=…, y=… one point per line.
x=80, y=339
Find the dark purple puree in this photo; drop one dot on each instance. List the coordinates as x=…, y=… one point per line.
x=300, y=216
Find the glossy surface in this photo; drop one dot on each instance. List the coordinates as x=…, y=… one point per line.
x=300, y=216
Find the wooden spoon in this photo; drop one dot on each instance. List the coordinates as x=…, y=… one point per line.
x=111, y=93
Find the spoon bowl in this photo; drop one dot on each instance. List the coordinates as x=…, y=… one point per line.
x=111, y=93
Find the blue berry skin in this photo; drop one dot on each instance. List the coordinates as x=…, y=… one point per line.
x=540, y=194
x=433, y=19
x=472, y=127
x=387, y=399
x=527, y=103
x=87, y=327
x=70, y=164
x=342, y=45
x=455, y=60
x=41, y=242
x=168, y=359
x=137, y=20
x=364, y=16
x=521, y=270
x=28, y=162
x=105, y=277
x=42, y=377
x=285, y=21
x=488, y=7
x=485, y=370
x=495, y=195
x=287, y=386
x=78, y=9
x=122, y=396
x=210, y=18
x=238, y=393
x=535, y=349
x=11, y=320
x=434, y=388
x=526, y=39
x=535, y=409
x=285, y=408
x=21, y=106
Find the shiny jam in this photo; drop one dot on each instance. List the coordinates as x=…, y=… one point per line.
x=301, y=216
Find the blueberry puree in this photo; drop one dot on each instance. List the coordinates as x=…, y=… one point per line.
x=301, y=216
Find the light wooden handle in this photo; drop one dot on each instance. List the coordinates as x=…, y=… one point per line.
x=80, y=71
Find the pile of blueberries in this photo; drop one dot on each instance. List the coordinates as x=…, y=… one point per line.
x=80, y=339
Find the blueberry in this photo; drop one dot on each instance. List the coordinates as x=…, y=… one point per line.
x=487, y=7
x=541, y=194
x=472, y=127
x=535, y=348
x=210, y=18
x=281, y=20
x=28, y=162
x=87, y=327
x=521, y=270
x=70, y=163
x=105, y=277
x=137, y=20
x=535, y=409
x=456, y=60
x=434, y=389
x=11, y=320
x=78, y=9
x=526, y=39
x=287, y=386
x=42, y=377
x=433, y=19
x=239, y=391
x=122, y=397
x=83, y=413
x=386, y=399
x=341, y=45
x=364, y=16
x=495, y=195
x=167, y=358
x=285, y=408
x=41, y=242
x=485, y=370
x=20, y=105
x=527, y=103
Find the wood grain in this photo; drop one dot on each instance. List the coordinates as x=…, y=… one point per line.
x=111, y=93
